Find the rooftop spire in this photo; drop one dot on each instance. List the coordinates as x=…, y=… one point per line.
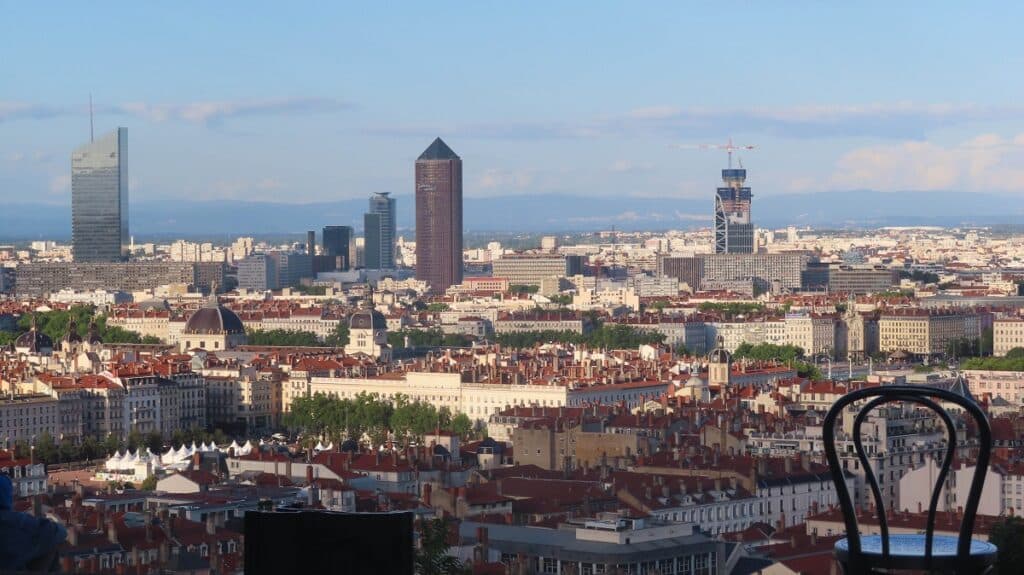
x=438, y=150
x=212, y=301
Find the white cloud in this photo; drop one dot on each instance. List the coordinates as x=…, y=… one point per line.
x=655, y=112
x=60, y=184
x=629, y=166
x=499, y=179
x=986, y=162
x=890, y=120
x=11, y=110
x=37, y=156
x=246, y=189
x=215, y=111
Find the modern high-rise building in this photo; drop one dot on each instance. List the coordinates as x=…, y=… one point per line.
x=291, y=268
x=311, y=243
x=337, y=242
x=99, y=199
x=439, y=217
x=372, y=241
x=734, y=230
x=258, y=272
x=379, y=229
x=764, y=272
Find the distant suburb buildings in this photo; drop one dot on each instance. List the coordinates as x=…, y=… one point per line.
x=439, y=217
x=99, y=199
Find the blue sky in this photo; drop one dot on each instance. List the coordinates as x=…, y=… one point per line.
x=267, y=101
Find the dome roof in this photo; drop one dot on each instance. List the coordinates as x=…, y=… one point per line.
x=720, y=354
x=368, y=319
x=34, y=340
x=214, y=318
x=696, y=381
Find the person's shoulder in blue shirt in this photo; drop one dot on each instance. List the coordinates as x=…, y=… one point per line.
x=24, y=539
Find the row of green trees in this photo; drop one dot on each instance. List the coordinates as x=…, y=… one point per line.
x=283, y=337
x=428, y=338
x=971, y=347
x=1012, y=361
x=50, y=450
x=731, y=309
x=611, y=336
x=298, y=338
x=55, y=324
x=561, y=299
x=336, y=419
x=792, y=355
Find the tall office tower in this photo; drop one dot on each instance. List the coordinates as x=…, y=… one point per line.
x=379, y=226
x=734, y=231
x=337, y=242
x=439, y=217
x=99, y=199
x=371, y=241
x=311, y=243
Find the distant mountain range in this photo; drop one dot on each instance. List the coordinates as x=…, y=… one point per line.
x=554, y=213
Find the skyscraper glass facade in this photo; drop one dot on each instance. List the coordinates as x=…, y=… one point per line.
x=99, y=199
x=734, y=230
x=337, y=241
x=380, y=241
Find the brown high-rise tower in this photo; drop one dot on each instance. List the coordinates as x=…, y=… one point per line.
x=439, y=217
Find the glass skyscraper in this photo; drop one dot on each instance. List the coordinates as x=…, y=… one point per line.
x=337, y=242
x=99, y=199
x=379, y=229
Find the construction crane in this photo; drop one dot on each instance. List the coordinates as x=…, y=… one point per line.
x=729, y=148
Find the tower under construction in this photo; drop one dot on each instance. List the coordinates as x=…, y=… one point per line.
x=734, y=230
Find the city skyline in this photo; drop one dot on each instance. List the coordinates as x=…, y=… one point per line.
x=577, y=346
x=838, y=117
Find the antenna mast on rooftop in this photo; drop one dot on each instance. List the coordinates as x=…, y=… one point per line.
x=92, y=137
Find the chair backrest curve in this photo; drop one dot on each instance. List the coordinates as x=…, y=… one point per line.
x=920, y=395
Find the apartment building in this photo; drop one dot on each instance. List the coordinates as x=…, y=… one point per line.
x=814, y=333
x=24, y=417
x=1007, y=334
x=477, y=400
x=926, y=332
